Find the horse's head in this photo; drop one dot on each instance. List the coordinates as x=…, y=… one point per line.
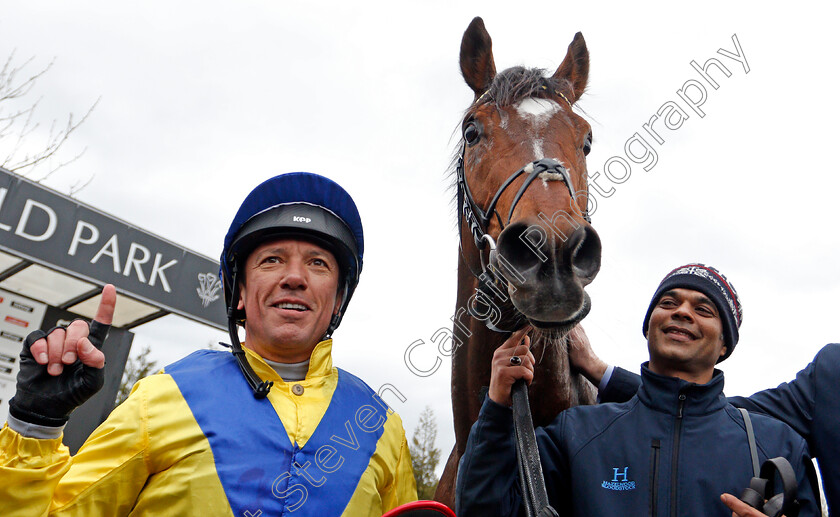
x=522, y=185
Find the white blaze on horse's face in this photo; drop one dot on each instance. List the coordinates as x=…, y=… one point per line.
x=537, y=113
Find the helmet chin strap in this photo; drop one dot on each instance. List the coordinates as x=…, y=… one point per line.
x=336, y=318
x=260, y=387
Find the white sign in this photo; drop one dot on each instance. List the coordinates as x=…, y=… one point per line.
x=18, y=317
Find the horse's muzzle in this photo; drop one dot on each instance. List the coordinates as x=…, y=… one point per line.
x=546, y=271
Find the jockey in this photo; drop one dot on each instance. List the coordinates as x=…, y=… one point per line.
x=270, y=429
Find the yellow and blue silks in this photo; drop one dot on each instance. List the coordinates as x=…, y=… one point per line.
x=194, y=441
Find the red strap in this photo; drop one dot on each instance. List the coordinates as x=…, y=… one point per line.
x=421, y=509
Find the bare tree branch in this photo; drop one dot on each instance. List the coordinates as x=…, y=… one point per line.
x=54, y=142
x=75, y=188
x=18, y=126
x=8, y=89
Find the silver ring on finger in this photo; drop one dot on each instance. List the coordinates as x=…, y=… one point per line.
x=515, y=360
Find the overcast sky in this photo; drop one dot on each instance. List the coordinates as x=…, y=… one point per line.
x=201, y=101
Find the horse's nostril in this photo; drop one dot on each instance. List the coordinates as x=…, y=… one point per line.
x=524, y=249
x=523, y=246
x=586, y=254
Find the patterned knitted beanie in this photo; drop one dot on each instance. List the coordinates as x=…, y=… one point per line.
x=709, y=281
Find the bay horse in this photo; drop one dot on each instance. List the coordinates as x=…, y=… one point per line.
x=527, y=249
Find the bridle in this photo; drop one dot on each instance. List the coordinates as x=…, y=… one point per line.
x=479, y=219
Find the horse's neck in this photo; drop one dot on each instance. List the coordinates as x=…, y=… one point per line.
x=475, y=345
x=551, y=391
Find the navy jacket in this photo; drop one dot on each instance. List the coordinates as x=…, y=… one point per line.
x=810, y=404
x=669, y=451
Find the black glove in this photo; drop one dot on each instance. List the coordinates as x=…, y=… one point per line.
x=46, y=399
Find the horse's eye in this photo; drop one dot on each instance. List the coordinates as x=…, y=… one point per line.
x=587, y=144
x=471, y=133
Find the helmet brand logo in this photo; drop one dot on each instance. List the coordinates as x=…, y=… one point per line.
x=300, y=219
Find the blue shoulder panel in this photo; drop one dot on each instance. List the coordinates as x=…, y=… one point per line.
x=258, y=467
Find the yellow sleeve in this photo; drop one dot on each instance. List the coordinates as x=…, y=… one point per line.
x=103, y=478
x=403, y=488
x=30, y=469
x=388, y=481
x=404, y=485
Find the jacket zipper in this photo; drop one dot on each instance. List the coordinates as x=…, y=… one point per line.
x=674, y=457
x=654, y=474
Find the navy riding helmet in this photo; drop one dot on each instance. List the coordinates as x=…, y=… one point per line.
x=298, y=205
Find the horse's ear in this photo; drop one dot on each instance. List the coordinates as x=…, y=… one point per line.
x=477, y=65
x=575, y=67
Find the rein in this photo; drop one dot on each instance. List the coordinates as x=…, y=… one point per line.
x=531, y=480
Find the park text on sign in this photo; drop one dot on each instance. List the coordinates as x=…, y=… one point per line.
x=132, y=263
x=59, y=232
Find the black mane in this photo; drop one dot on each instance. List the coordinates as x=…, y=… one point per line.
x=518, y=83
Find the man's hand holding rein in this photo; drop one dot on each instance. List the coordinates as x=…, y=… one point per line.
x=512, y=361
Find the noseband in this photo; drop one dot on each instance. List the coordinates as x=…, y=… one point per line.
x=479, y=220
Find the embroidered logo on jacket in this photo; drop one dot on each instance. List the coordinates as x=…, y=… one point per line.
x=619, y=480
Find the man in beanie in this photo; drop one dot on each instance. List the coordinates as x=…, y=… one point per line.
x=808, y=403
x=674, y=448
